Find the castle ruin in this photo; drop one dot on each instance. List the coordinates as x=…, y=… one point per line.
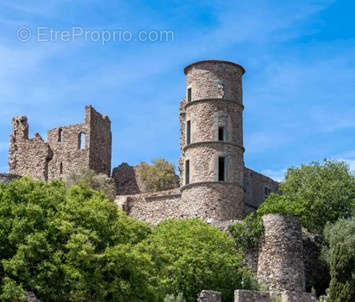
x=69, y=148
x=215, y=185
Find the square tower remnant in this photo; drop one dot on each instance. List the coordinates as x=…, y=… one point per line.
x=69, y=148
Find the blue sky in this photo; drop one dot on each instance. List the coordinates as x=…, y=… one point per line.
x=299, y=89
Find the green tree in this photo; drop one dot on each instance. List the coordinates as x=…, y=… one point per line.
x=99, y=182
x=190, y=256
x=317, y=193
x=341, y=257
x=70, y=245
x=159, y=176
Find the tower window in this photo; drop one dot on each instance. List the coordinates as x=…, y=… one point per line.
x=60, y=135
x=81, y=141
x=189, y=94
x=221, y=168
x=188, y=132
x=221, y=133
x=220, y=90
x=61, y=168
x=187, y=172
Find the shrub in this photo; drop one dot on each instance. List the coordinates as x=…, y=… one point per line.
x=341, y=257
x=99, y=182
x=247, y=232
x=159, y=176
x=190, y=256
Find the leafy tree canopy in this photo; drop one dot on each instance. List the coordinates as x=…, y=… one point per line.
x=159, y=176
x=69, y=245
x=189, y=256
x=317, y=193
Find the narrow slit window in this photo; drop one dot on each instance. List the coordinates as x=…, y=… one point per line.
x=221, y=133
x=61, y=168
x=189, y=94
x=221, y=169
x=60, y=135
x=81, y=141
x=188, y=132
x=187, y=172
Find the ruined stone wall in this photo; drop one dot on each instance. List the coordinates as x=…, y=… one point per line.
x=280, y=264
x=28, y=157
x=286, y=296
x=153, y=207
x=69, y=148
x=209, y=296
x=127, y=180
x=257, y=188
x=100, y=141
x=67, y=155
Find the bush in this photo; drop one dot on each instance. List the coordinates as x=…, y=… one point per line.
x=190, y=256
x=341, y=258
x=99, y=182
x=158, y=177
x=69, y=245
x=247, y=233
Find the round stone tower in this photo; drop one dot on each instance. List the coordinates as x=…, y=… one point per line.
x=280, y=264
x=212, y=161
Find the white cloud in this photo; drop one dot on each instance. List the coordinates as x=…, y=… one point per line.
x=278, y=175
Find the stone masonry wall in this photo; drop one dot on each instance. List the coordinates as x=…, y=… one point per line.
x=153, y=207
x=213, y=201
x=100, y=141
x=127, y=180
x=256, y=188
x=286, y=296
x=209, y=296
x=28, y=157
x=67, y=156
x=69, y=148
x=280, y=264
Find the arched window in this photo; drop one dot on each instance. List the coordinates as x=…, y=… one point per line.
x=81, y=141
x=60, y=135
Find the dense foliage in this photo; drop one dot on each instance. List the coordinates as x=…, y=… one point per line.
x=72, y=244
x=190, y=256
x=341, y=257
x=159, y=176
x=69, y=244
x=247, y=232
x=317, y=193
